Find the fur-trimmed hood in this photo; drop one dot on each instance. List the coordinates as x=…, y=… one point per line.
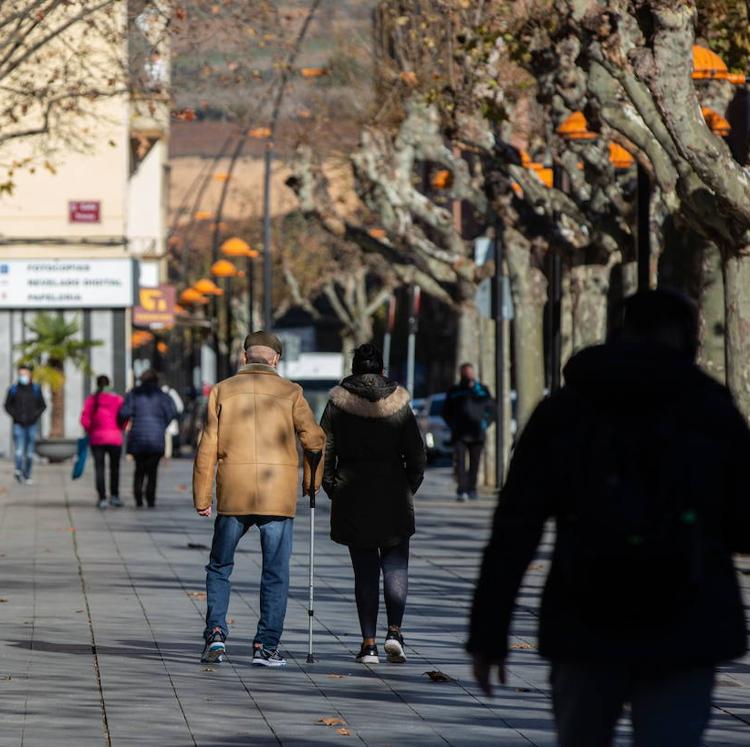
x=370, y=396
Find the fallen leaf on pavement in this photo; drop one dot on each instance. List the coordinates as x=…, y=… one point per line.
x=337, y=676
x=522, y=646
x=437, y=676
x=197, y=594
x=343, y=732
x=230, y=621
x=331, y=721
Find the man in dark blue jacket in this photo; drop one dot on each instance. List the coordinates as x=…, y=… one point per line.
x=25, y=404
x=641, y=460
x=468, y=411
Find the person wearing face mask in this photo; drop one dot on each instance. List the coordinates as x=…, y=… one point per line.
x=469, y=411
x=25, y=404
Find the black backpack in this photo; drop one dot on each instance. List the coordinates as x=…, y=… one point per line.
x=630, y=547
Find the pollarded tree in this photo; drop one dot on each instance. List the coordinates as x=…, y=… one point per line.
x=630, y=64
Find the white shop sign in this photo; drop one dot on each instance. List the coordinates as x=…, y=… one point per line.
x=67, y=283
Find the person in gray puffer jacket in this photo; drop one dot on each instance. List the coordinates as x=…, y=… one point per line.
x=374, y=464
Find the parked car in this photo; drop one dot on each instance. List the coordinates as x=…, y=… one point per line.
x=435, y=431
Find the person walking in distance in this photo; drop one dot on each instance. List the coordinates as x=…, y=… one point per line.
x=469, y=411
x=24, y=402
x=149, y=411
x=100, y=420
x=641, y=459
x=374, y=464
x=253, y=422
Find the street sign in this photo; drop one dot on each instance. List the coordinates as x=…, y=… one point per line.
x=84, y=211
x=66, y=284
x=155, y=307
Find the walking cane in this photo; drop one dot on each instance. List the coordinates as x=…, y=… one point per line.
x=313, y=458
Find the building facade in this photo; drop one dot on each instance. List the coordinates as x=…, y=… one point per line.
x=81, y=238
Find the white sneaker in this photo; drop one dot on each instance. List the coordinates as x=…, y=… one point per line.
x=462, y=498
x=115, y=502
x=266, y=657
x=368, y=655
x=28, y=481
x=17, y=474
x=102, y=504
x=394, y=647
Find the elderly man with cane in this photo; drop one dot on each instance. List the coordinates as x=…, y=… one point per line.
x=252, y=425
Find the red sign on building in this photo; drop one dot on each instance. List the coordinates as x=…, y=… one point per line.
x=84, y=211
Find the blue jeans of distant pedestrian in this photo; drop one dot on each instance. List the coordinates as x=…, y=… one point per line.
x=24, y=440
x=276, y=545
x=670, y=706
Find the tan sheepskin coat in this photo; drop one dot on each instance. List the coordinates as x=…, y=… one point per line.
x=250, y=444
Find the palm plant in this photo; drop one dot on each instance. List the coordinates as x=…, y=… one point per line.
x=53, y=343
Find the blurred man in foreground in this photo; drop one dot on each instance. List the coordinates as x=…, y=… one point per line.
x=641, y=459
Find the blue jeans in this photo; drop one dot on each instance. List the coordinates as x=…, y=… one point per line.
x=669, y=705
x=276, y=544
x=24, y=439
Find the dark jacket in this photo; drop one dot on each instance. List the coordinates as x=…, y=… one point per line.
x=150, y=411
x=25, y=403
x=468, y=411
x=374, y=462
x=655, y=392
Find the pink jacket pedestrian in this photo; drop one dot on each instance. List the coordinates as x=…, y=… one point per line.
x=99, y=419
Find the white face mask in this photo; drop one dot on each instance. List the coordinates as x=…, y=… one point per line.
x=24, y=379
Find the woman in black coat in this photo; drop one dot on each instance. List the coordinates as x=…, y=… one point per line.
x=149, y=411
x=374, y=464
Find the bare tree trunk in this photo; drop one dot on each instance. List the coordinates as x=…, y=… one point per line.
x=467, y=344
x=57, y=419
x=487, y=374
x=529, y=291
x=736, y=270
x=566, y=317
x=589, y=287
x=712, y=352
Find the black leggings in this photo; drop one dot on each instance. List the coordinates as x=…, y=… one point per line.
x=145, y=467
x=367, y=564
x=99, y=453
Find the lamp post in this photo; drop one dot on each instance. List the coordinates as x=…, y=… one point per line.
x=390, y=323
x=415, y=296
x=225, y=269
x=237, y=247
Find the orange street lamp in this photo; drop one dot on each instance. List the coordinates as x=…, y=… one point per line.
x=545, y=176
x=716, y=123
x=575, y=127
x=442, y=179
x=237, y=247
x=207, y=287
x=190, y=297
x=619, y=157
x=707, y=65
x=224, y=269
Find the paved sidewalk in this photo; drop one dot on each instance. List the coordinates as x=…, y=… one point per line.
x=102, y=614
